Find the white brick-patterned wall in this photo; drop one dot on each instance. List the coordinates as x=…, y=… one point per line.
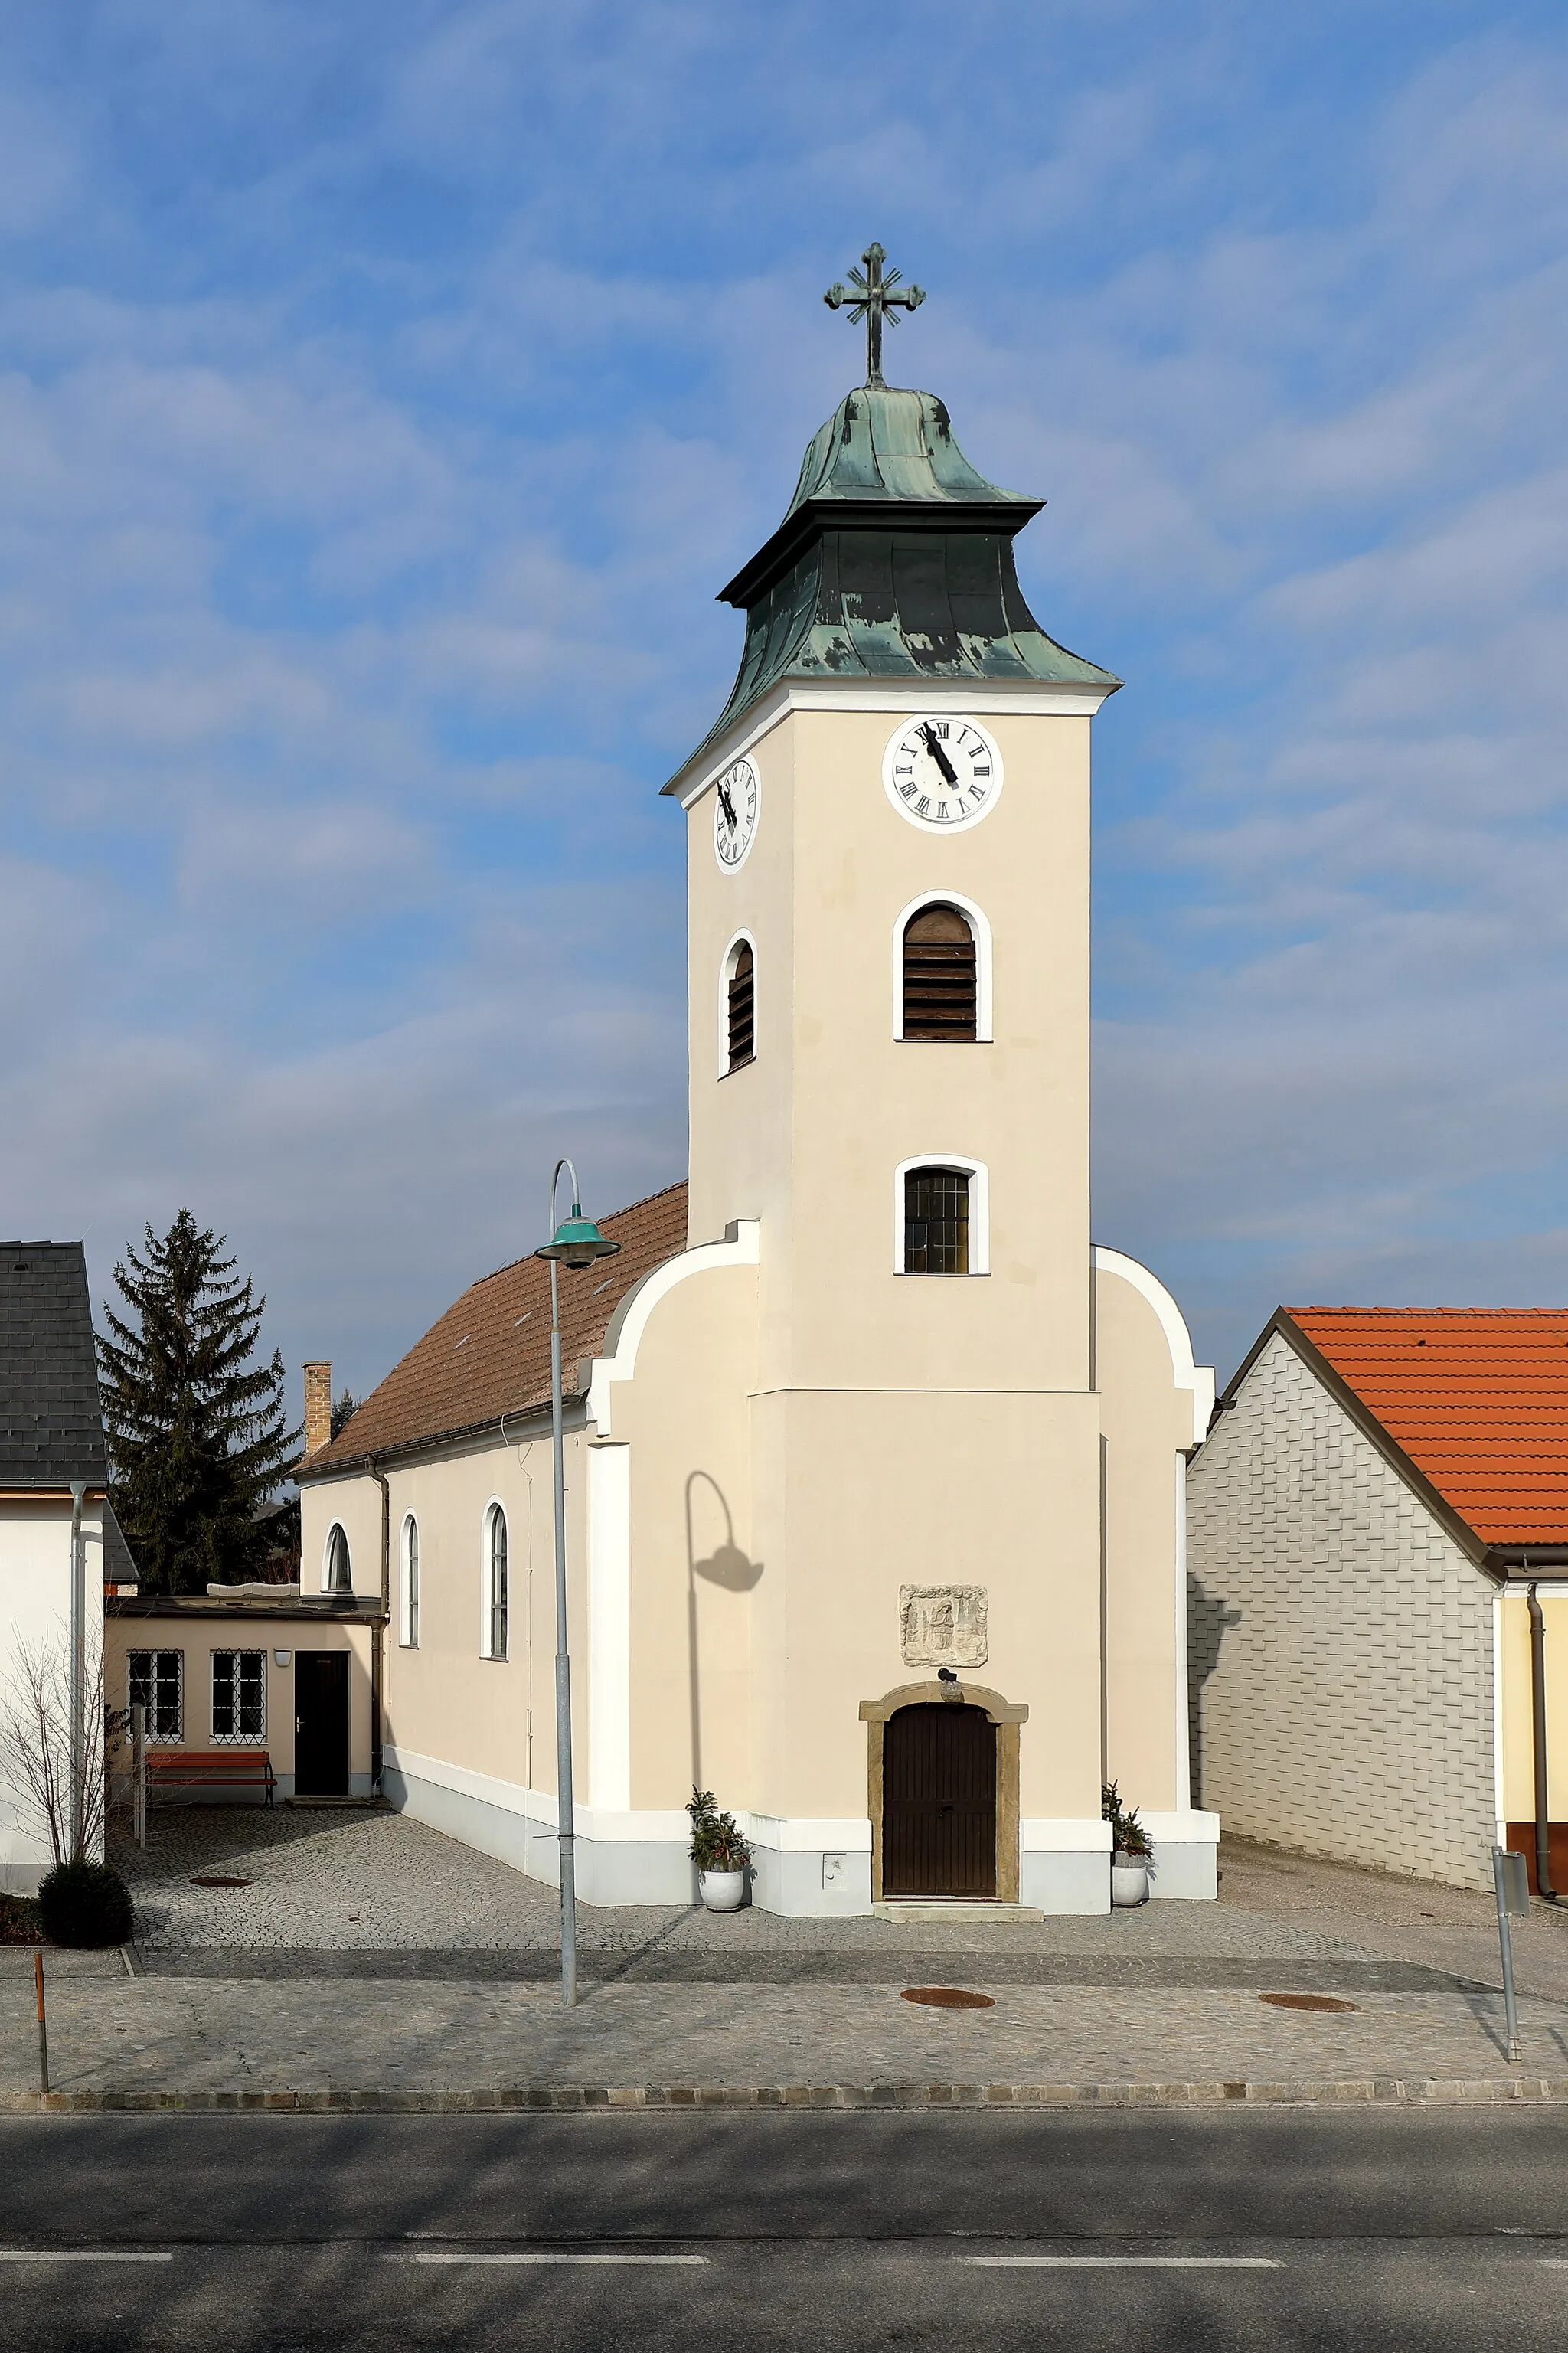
x=1340, y=1643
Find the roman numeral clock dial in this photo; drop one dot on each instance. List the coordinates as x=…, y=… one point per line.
x=942, y=772
x=735, y=799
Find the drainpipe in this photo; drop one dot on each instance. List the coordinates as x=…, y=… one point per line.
x=1538, y=1720
x=79, y=1676
x=378, y=1632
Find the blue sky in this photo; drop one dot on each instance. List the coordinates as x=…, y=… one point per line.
x=385, y=391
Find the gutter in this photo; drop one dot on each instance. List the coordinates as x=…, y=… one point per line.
x=1543, y=1886
x=78, y=1676
x=378, y=1638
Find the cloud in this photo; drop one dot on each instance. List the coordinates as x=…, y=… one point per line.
x=386, y=392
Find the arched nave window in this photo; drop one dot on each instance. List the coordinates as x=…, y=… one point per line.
x=337, y=1577
x=408, y=1613
x=493, y=1630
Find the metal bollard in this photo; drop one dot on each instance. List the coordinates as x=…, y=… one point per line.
x=43, y=2032
x=139, y=1773
x=1512, y=1880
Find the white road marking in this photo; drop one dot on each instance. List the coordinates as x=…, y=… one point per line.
x=1125, y=2263
x=682, y=2259
x=80, y=2256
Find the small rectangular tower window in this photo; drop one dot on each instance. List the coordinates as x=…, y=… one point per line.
x=742, y=1005
x=940, y=975
x=936, y=1221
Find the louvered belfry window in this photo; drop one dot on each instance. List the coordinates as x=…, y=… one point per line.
x=936, y=1221
x=940, y=999
x=742, y=1005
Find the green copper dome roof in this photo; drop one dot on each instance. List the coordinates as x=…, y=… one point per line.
x=894, y=560
x=880, y=444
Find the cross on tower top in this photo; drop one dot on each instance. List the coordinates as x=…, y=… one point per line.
x=870, y=292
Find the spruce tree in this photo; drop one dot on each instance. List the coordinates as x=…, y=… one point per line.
x=196, y=1432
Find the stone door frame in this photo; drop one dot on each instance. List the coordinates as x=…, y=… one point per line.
x=1005, y=1714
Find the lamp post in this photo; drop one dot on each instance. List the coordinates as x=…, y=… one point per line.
x=575, y=1241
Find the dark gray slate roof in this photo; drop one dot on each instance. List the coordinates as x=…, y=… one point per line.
x=51, y=1427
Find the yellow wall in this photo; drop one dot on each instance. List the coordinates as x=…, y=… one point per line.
x=199, y=1637
x=1518, y=1746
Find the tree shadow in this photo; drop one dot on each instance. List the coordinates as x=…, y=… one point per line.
x=1208, y=1622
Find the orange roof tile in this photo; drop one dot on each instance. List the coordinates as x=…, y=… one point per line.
x=490, y=1354
x=1475, y=1396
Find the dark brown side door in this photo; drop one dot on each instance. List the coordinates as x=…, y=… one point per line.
x=939, y=1802
x=321, y=1723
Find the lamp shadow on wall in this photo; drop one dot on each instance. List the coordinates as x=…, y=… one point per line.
x=708, y=1516
x=1208, y=1622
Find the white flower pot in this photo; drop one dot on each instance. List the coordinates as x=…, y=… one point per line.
x=1129, y=1880
x=721, y=1891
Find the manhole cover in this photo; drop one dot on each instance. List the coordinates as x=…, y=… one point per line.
x=1306, y=2001
x=216, y=1879
x=948, y=1998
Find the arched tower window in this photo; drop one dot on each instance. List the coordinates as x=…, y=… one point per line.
x=940, y=979
x=740, y=1006
x=338, y=1577
x=936, y=1221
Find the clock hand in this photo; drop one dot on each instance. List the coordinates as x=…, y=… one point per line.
x=933, y=745
x=727, y=806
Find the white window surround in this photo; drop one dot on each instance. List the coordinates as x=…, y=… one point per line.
x=979, y=1211
x=742, y=939
x=975, y=918
x=409, y=1573
x=486, y=1518
x=337, y=1529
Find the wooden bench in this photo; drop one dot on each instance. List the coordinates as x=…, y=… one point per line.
x=228, y=1768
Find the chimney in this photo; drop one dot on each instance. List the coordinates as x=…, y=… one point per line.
x=318, y=1406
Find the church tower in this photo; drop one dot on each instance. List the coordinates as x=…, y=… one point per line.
x=874, y=1459
x=888, y=899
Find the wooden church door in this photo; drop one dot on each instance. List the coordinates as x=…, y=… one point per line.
x=939, y=1802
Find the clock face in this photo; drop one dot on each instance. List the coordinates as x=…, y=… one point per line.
x=735, y=798
x=942, y=771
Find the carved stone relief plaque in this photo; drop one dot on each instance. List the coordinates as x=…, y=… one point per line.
x=943, y=1625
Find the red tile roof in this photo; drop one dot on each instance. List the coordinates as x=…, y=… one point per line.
x=490, y=1354
x=1475, y=1396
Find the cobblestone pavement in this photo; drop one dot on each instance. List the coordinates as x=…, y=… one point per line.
x=372, y=1892
x=371, y=1958
x=184, y=2036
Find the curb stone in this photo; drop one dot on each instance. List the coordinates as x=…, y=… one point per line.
x=560, y=2098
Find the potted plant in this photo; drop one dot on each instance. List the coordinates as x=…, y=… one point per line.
x=721, y=1853
x=1130, y=1851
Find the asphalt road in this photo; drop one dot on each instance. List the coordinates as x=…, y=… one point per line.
x=1285, y=2228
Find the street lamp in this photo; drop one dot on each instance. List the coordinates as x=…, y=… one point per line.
x=575, y=1241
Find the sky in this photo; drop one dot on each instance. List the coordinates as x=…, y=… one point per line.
x=386, y=388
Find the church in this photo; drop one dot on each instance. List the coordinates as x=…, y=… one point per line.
x=875, y=1460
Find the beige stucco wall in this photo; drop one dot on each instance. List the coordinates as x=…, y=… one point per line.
x=1147, y=1422
x=1341, y=1642
x=808, y=1136
x=199, y=1637
x=444, y=1700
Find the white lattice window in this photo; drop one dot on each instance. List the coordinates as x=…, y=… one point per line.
x=156, y=1681
x=239, y=1696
